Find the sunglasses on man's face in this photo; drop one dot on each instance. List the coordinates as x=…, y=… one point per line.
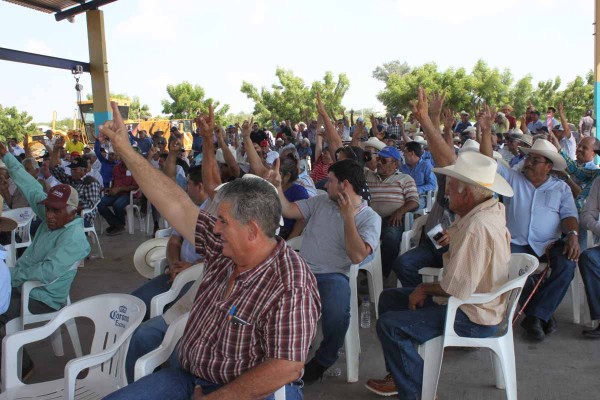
x=384, y=160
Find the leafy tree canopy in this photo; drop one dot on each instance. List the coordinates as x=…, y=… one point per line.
x=15, y=123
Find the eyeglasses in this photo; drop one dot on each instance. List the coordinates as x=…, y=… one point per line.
x=384, y=160
x=535, y=161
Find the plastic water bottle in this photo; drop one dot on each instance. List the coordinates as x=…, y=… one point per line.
x=365, y=314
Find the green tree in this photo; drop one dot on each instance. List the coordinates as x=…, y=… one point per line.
x=383, y=72
x=520, y=95
x=15, y=123
x=292, y=99
x=578, y=97
x=138, y=110
x=187, y=100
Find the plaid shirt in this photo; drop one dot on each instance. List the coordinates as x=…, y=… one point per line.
x=395, y=130
x=88, y=189
x=278, y=298
x=584, y=177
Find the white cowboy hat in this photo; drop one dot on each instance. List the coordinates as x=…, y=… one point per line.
x=546, y=149
x=148, y=255
x=470, y=129
x=375, y=143
x=479, y=170
x=420, y=139
x=472, y=145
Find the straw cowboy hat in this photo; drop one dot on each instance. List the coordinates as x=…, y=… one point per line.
x=420, y=139
x=546, y=149
x=375, y=143
x=479, y=170
x=472, y=145
x=148, y=255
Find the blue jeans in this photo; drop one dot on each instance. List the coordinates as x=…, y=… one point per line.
x=334, y=291
x=147, y=337
x=118, y=203
x=551, y=292
x=399, y=329
x=589, y=266
x=425, y=255
x=156, y=286
x=391, y=236
x=178, y=384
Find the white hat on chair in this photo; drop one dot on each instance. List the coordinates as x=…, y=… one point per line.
x=148, y=256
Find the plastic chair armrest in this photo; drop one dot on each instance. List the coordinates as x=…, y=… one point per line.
x=75, y=366
x=147, y=364
x=158, y=302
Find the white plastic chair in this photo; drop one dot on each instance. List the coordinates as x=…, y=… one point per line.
x=27, y=318
x=163, y=233
x=90, y=231
x=115, y=317
x=149, y=220
x=191, y=274
x=130, y=211
x=501, y=345
x=352, y=339
x=146, y=364
x=23, y=217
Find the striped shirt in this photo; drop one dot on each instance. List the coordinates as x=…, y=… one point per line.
x=391, y=193
x=278, y=298
x=320, y=170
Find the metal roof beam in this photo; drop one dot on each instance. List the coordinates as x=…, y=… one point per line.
x=35, y=4
x=39, y=59
x=90, y=5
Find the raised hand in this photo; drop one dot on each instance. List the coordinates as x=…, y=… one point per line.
x=436, y=102
x=206, y=123
x=175, y=146
x=420, y=107
x=561, y=109
x=114, y=130
x=247, y=128
x=321, y=108
x=448, y=115
x=60, y=142
x=347, y=209
x=273, y=175
x=485, y=119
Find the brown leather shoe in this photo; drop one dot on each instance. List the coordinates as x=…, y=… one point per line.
x=383, y=387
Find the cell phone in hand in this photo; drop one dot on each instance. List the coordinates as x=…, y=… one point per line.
x=438, y=236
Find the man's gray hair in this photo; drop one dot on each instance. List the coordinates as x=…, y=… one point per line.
x=479, y=193
x=30, y=162
x=254, y=199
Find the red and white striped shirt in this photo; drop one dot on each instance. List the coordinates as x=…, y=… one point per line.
x=278, y=298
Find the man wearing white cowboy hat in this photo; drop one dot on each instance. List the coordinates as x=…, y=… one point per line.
x=542, y=220
x=476, y=262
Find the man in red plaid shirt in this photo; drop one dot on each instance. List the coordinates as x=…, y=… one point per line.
x=256, y=310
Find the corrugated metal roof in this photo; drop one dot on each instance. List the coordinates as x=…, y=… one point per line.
x=47, y=6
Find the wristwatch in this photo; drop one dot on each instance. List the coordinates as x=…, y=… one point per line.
x=573, y=233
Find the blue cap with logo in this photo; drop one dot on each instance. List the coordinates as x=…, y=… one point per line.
x=390, y=152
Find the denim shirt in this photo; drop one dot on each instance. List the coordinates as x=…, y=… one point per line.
x=52, y=253
x=534, y=215
x=423, y=175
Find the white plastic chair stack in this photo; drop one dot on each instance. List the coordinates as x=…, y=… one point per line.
x=27, y=318
x=115, y=317
x=501, y=345
x=131, y=209
x=90, y=231
x=23, y=217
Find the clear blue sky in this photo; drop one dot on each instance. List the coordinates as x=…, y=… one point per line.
x=217, y=45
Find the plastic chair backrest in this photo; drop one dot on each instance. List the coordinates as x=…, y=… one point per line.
x=519, y=268
x=407, y=241
x=114, y=315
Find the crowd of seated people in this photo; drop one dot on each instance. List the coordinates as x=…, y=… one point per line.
x=239, y=193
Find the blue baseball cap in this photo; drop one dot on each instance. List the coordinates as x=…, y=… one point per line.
x=390, y=152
